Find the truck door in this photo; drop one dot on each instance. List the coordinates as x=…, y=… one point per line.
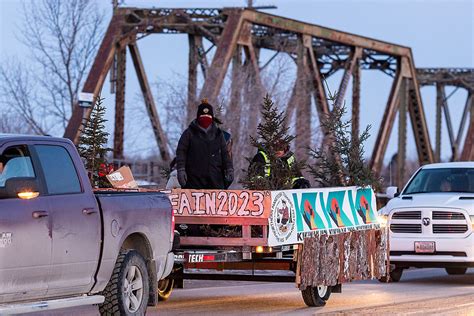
x=25, y=231
x=76, y=223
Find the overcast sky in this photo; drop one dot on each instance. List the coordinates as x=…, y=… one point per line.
x=440, y=33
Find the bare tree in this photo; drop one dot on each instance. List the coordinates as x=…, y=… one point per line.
x=12, y=123
x=18, y=96
x=62, y=38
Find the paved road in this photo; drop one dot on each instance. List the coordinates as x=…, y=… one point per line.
x=420, y=292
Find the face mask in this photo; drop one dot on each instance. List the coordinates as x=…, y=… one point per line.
x=204, y=121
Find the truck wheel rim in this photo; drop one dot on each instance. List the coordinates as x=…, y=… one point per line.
x=133, y=289
x=322, y=290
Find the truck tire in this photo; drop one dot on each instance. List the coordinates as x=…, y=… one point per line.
x=395, y=276
x=128, y=289
x=456, y=271
x=165, y=287
x=316, y=295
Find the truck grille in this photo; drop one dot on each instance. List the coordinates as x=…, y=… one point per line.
x=430, y=222
x=406, y=228
x=448, y=215
x=407, y=215
x=449, y=229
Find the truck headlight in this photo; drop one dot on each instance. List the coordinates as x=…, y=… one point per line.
x=472, y=221
x=383, y=220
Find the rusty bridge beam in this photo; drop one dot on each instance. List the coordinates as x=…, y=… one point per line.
x=355, y=123
x=96, y=77
x=402, y=132
x=301, y=100
x=351, y=64
x=255, y=88
x=439, y=122
x=321, y=99
x=457, y=77
x=441, y=97
x=225, y=50
x=390, y=112
x=235, y=106
x=325, y=33
x=201, y=55
x=193, y=61
x=293, y=101
x=121, y=58
x=464, y=117
x=468, y=149
x=160, y=136
x=418, y=118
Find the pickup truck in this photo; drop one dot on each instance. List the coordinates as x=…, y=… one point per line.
x=432, y=220
x=64, y=245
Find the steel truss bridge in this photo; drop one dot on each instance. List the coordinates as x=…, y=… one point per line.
x=238, y=34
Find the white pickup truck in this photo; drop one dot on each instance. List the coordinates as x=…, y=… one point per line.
x=432, y=220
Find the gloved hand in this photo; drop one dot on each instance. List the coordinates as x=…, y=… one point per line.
x=229, y=176
x=182, y=177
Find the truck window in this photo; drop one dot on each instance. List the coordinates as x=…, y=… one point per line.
x=15, y=162
x=59, y=171
x=459, y=180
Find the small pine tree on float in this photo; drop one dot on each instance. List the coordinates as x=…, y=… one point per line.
x=340, y=160
x=93, y=148
x=272, y=134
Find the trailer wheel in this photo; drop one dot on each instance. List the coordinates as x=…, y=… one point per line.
x=324, y=292
x=128, y=289
x=165, y=287
x=456, y=271
x=395, y=276
x=316, y=295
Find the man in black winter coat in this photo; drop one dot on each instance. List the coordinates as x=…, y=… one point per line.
x=201, y=157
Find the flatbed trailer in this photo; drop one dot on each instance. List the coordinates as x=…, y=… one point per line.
x=254, y=245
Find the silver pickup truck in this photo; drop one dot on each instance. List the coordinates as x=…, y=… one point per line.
x=62, y=245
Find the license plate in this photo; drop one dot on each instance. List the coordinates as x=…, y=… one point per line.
x=285, y=248
x=425, y=246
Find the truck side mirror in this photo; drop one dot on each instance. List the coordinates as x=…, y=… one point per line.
x=392, y=192
x=22, y=187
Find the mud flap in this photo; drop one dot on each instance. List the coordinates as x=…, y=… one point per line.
x=153, y=297
x=337, y=288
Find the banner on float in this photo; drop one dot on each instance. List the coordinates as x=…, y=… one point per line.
x=221, y=203
x=296, y=214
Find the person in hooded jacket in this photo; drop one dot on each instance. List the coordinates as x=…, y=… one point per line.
x=202, y=159
x=262, y=167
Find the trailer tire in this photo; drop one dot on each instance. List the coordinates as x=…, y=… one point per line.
x=130, y=268
x=165, y=287
x=456, y=271
x=316, y=295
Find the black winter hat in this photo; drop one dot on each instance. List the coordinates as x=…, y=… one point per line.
x=205, y=109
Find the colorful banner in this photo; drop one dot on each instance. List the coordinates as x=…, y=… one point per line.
x=296, y=214
x=219, y=203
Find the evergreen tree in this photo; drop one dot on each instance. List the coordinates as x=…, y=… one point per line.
x=340, y=161
x=272, y=134
x=92, y=146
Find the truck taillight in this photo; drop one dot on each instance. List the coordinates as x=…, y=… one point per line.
x=173, y=222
